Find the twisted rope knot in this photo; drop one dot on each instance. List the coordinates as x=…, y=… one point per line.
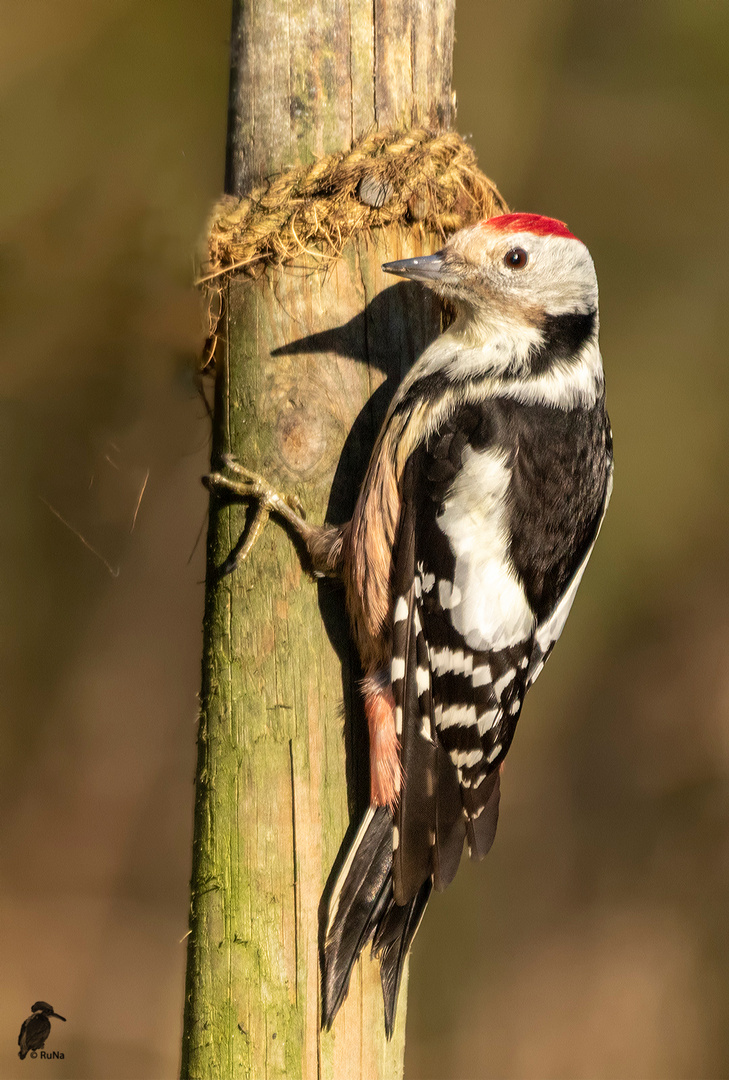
x=417, y=178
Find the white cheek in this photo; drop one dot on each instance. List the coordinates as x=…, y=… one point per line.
x=559, y=277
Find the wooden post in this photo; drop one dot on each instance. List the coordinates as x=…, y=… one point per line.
x=307, y=365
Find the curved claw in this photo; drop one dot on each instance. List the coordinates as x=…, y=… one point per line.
x=249, y=485
x=295, y=503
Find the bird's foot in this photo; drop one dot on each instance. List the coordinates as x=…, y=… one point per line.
x=241, y=483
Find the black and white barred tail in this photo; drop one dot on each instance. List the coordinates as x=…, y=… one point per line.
x=363, y=909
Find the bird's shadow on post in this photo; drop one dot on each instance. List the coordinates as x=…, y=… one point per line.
x=380, y=336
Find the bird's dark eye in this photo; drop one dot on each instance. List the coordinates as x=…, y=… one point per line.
x=516, y=258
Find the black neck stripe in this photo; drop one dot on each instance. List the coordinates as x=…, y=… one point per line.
x=564, y=336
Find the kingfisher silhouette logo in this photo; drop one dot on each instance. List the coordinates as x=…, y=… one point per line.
x=34, y=1031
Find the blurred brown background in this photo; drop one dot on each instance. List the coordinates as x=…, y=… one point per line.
x=594, y=942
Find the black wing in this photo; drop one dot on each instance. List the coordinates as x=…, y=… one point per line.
x=458, y=685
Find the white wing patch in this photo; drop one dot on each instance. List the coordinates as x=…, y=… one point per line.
x=487, y=603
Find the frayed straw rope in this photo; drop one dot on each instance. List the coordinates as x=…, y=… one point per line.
x=411, y=178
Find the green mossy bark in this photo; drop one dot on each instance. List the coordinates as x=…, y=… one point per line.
x=282, y=767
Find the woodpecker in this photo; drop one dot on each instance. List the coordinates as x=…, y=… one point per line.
x=482, y=501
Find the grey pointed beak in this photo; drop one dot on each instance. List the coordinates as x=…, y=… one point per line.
x=58, y=1016
x=424, y=268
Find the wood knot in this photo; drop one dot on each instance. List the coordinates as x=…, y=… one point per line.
x=301, y=437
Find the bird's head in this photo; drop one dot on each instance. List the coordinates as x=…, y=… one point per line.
x=46, y=1009
x=509, y=272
